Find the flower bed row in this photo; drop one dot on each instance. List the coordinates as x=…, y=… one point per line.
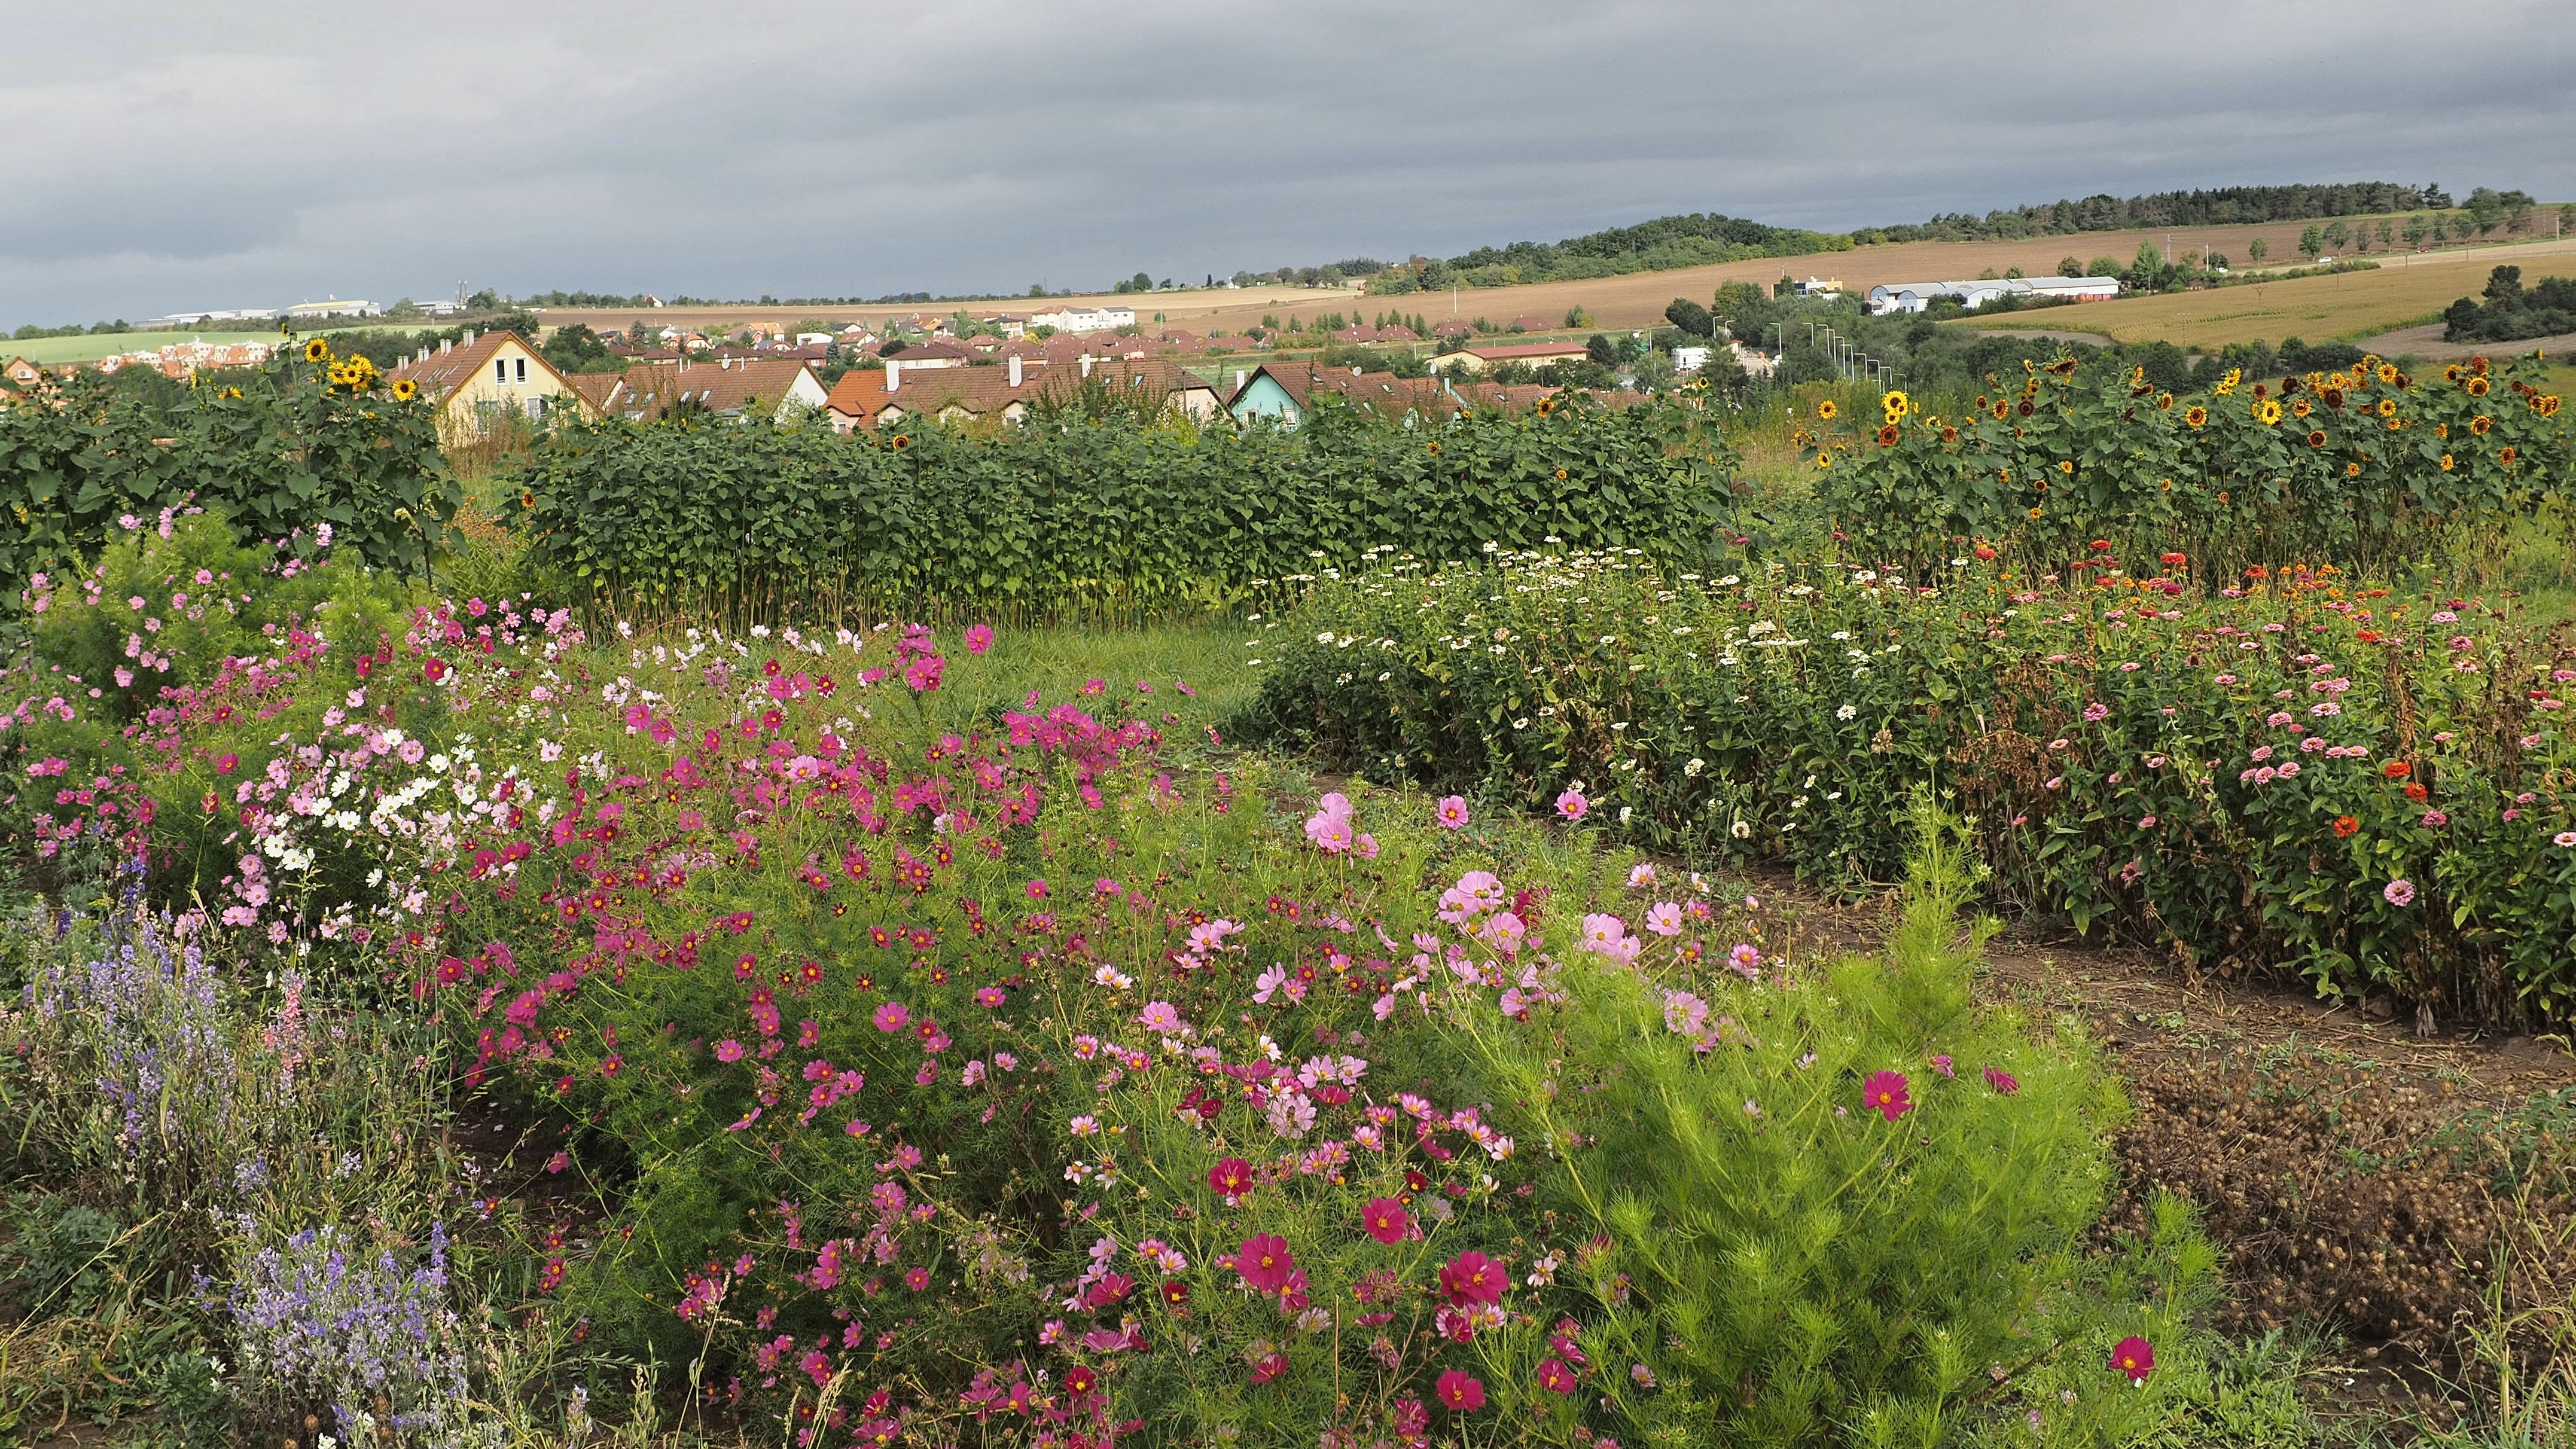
x=2295, y=771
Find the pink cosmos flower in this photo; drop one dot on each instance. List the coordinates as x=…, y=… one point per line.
x=728, y=1050
x=1570, y=807
x=979, y=638
x=1452, y=812
x=1555, y=1377
x=1385, y=1219
x=1471, y=1277
x=1884, y=1092
x=892, y=1017
x=1664, y=918
x=2133, y=1356
x=2002, y=1081
x=1460, y=1393
x=1265, y=1262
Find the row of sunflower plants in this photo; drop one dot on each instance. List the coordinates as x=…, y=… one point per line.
x=2292, y=772
x=2368, y=466
x=315, y=450
x=1044, y=1083
x=1108, y=514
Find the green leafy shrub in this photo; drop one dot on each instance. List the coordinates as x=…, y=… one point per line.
x=317, y=453
x=2365, y=791
x=1084, y=515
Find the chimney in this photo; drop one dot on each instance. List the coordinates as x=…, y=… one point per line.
x=1015, y=369
x=894, y=375
x=1086, y=365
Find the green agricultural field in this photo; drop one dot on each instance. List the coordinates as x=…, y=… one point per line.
x=55, y=351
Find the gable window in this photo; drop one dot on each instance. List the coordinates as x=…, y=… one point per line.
x=500, y=370
x=523, y=369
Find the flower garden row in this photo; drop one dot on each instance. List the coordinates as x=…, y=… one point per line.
x=2369, y=791
x=2361, y=467
x=1037, y=1084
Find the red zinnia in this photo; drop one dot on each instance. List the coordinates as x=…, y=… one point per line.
x=1884, y=1093
x=2416, y=792
x=1472, y=1277
x=1462, y=1393
x=1264, y=1262
x=2133, y=1356
x=2345, y=825
x=2397, y=769
x=1232, y=1180
x=1386, y=1219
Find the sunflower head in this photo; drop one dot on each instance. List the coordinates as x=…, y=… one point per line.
x=2164, y=402
x=1546, y=405
x=2301, y=408
x=2352, y=470
x=2066, y=466
x=2195, y=415
x=405, y=389
x=317, y=350
x=2477, y=387
x=901, y=442
x=527, y=498
x=1896, y=405
x=2506, y=456
x=2388, y=407
x=2269, y=412
x=1887, y=436
x=2388, y=373
x=2333, y=397
x=1824, y=460
x=1826, y=409
x=1560, y=473
x=2316, y=437
x=2446, y=463
x=1435, y=447
x=2451, y=373
x=1949, y=435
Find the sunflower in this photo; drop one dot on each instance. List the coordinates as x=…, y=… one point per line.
x=2507, y=456
x=2195, y=415
x=1824, y=460
x=405, y=389
x=2026, y=409
x=2267, y=412
x=1546, y=405
x=2034, y=513
x=2300, y=409
x=1895, y=405
x=2334, y=397
x=2066, y=466
x=230, y=392
x=2446, y=462
x=901, y=442
x=527, y=498
x=2547, y=407
x=2164, y=402
x=2451, y=373
x=1435, y=448
x=317, y=350
x=2388, y=407
x=2477, y=387
x=1826, y=410
x=2316, y=437
x=1560, y=473
x=2478, y=366
x=2352, y=470
x=2003, y=409
x=1887, y=436
x=1949, y=435
x=2388, y=373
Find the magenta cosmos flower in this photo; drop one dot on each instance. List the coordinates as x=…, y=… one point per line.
x=1265, y=1262
x=979, y=638
x=2135, y=1357
x=892, y=1017
x=1571, y=805
x=1471, y=1277
x=1460, y=1393
x=1884, y=1093
x=1385, y=1219
x=1452, y=812
x=2002, y=1081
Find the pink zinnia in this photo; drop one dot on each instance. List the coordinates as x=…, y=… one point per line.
x=1570, y=806
x=1265, y=1262
x=1884, y=1092
x=2399, y=893
x=1452, y=812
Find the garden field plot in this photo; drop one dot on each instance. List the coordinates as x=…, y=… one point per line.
x=2402, y=292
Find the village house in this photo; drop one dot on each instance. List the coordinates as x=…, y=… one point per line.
x=872, y=399
x=1085, y=319
x=1485, y=359
x=479, y=380
x=733, y=388
x=1284, y=392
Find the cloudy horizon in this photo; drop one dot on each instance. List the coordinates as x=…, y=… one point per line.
x=170, y=158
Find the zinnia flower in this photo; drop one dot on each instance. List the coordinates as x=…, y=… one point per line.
x=2400, y=892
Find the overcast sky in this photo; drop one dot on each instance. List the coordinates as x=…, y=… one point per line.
x=164, y=156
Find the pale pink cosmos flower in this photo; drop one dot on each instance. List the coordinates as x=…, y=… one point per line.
x=1571, y=805
x=1452, y=812
x=1664, y=918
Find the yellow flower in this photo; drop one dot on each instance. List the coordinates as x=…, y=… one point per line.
x=317, y=350
x=2267, y=412
x=1824, y=460
x=2388, y=407
x=1435, y=448
x=2480, y=424
x=2067, y=467
x=2195, y=415
x=1896, y=405
x=2446, y=462
x=1826, y=409
x=2388, y=373
x=405, y=389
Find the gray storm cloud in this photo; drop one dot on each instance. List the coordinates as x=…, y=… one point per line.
x=164, y=157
